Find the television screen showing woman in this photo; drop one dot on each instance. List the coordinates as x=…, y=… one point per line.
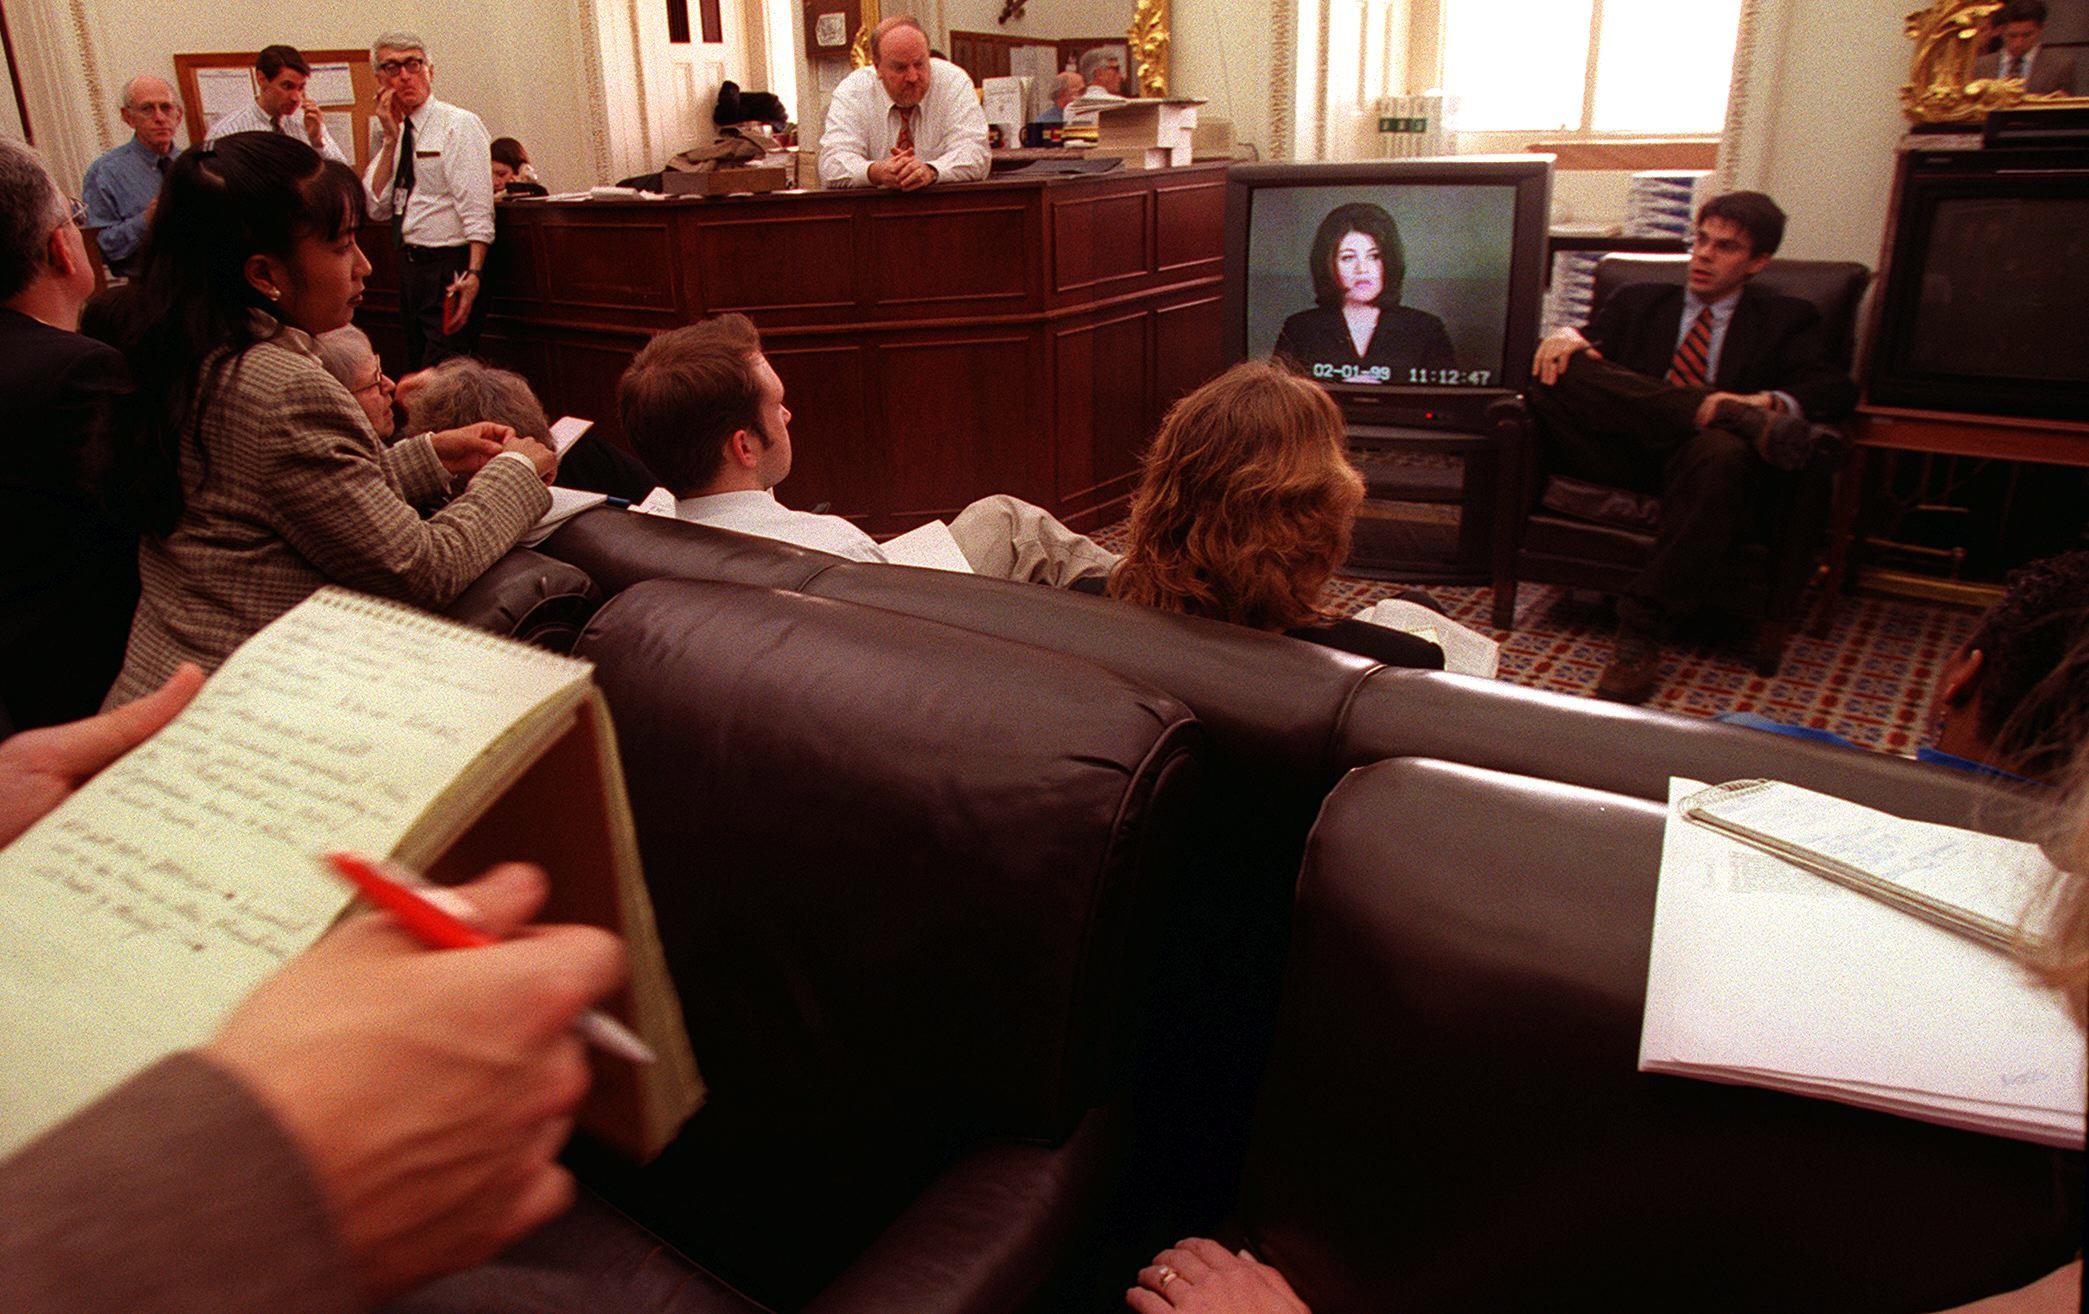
x=1401, y=285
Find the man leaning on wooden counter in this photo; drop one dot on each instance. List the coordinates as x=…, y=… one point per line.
x=906, y=121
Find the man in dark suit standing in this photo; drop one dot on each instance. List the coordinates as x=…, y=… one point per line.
x=68, y=566
x=1694, y=393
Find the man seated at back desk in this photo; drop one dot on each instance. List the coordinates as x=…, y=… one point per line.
x=906, y=121
x=704, y=410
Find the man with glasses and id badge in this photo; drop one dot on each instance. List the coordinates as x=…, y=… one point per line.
x=431, y=177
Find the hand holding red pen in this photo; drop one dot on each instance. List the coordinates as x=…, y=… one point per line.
x=429, y=1092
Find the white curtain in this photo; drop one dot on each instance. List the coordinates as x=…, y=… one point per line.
x=1751, y=109
x=72, y=104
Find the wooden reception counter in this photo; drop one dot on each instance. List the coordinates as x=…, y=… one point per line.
x=1020, y=336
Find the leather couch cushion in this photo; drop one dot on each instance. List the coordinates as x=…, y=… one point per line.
x=895, y=866
x=1601, y=503
x=1634, y=750
x=1454, y=1120
x=529, y=596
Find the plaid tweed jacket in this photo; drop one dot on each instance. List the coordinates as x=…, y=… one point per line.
x=298, y=493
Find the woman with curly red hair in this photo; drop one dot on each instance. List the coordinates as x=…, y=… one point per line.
x=1243, y=512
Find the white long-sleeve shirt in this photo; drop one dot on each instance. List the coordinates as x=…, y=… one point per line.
x=452, y=198
x=863, y=124
x=255, y=119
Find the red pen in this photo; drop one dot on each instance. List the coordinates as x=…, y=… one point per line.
x=411, y=901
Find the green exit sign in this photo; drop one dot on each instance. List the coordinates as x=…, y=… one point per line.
x=1418, y=125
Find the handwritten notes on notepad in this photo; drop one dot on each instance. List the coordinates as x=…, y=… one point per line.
x=1768, y=975
x=186, y=871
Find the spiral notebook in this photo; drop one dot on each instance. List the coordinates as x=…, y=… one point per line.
x=1807, y=944
x=136, y=915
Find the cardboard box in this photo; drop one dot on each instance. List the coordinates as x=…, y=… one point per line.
x=720, y=182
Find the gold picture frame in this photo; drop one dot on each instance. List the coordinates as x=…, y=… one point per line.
x=1941, y=87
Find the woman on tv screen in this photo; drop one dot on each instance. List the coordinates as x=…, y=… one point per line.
x=1359, y=332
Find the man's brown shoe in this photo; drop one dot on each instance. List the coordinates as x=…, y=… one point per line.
x=1634, y=671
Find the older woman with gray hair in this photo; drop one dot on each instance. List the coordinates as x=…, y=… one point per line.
x=348, y=356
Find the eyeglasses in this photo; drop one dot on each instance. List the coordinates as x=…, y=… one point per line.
x=75, y=211
x=413, y=64
x=383, y=381
x=152, y=108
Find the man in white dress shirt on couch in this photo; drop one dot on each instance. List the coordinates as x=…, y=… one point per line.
x=906, y=121
x=281, y=105
x=704, y=410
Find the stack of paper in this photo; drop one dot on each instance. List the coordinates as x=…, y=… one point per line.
x=1765, y=974
x=931, y=547
x=1146, y=134
x=1465, y=650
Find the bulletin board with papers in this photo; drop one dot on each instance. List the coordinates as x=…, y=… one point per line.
x=342, y=85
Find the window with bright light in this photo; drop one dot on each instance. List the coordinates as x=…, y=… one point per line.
x=1657, y=67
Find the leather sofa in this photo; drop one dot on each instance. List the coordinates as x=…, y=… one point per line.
x=1453, y=1118
x=898, y=869
x=1281, y=720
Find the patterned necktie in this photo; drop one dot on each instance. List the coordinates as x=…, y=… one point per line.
x=1688, y=369
x=906, y=131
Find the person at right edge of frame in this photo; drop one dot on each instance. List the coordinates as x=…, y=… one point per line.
x=431, y=176
x=1696, y=393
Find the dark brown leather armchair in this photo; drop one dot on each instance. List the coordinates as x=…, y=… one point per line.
x=1597, y=537
x=898, y=869
x=1454, y=1119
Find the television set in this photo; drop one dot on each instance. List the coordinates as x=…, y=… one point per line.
x=1450, y=252
x=1986, y=285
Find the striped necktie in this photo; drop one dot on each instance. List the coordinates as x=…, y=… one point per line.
x=1690, y=369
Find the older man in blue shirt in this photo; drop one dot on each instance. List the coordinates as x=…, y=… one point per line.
x=123, y=184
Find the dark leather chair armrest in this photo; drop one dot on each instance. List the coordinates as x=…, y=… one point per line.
x=527, y=595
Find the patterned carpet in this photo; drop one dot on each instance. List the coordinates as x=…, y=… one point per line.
x=1868, y=681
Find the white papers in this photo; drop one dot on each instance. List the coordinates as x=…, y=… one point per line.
x=566, y=503
x=340, y=124
x=222, y=91
x=930, y=546
x=659, y=502
x=330, y=84
x=1006, y=101
x=1465, y=650
x=1763, y=974
x=568, y=430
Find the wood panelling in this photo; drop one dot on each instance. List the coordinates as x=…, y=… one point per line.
x=777, y=263
x=1010, y=336
x=1102, y=377
x=613, y=265
x=1100, y=239
x=1189, y=226
x=834, y=457
x=960, y=418
x=583, y=382
x=512, y=269
x=1189, y=347
x=955, y=256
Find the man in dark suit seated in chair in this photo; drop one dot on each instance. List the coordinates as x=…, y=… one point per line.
x=1696, y=393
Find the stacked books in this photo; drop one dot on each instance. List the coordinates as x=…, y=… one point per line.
x=1806, y=944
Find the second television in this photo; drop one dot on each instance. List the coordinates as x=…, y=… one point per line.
x=1402, y=286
